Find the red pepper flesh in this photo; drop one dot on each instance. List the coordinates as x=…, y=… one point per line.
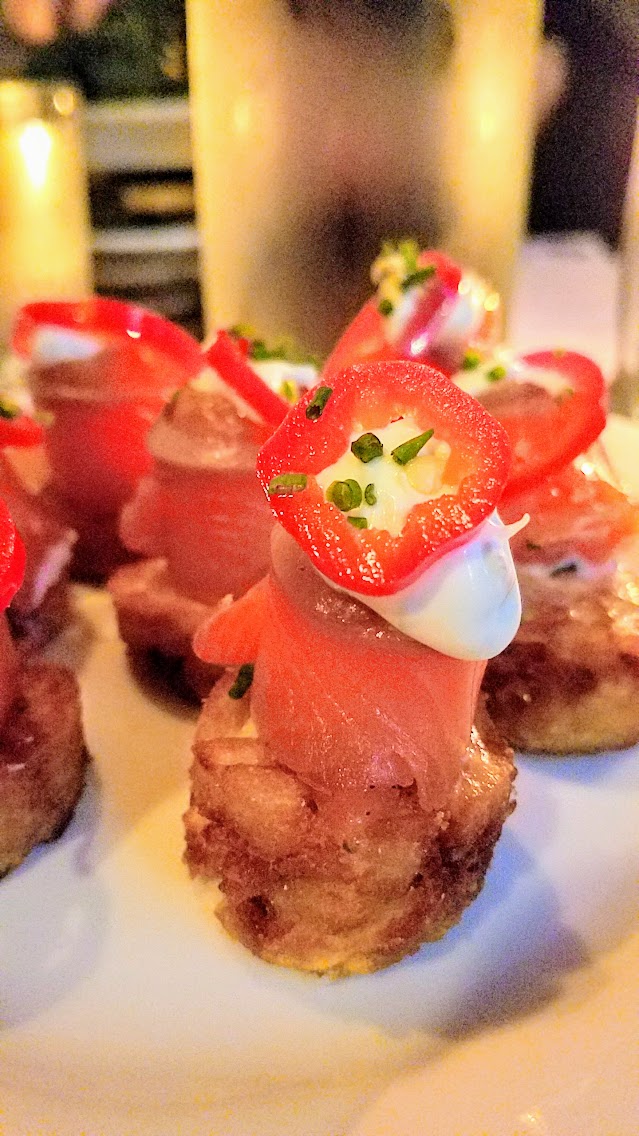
x=547, y=433
x=225, y=355
x=20, y=431
x=367, y=397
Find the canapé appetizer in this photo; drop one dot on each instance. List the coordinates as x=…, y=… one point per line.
x=347, y=788
x=425, y=308
x=570, y=680
x=42, y=752
x=101, y=370
x=40, y=608
x=200, y=519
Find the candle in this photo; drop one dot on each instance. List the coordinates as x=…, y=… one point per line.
x=44, y=217
x=320, y=130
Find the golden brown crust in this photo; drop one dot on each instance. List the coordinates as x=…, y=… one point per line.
x=569, y=682
x=42, y=761
x=339, y=884
x=153, y=616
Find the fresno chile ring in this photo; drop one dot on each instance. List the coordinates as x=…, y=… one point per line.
x=367, y=397
x=547, y=438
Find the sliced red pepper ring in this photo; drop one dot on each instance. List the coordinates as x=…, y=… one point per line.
x=115, y=320
x=366, y=398
x=12, y=558
x=17, y=429
x=229, y=359
x=371, y=335
x=547, y=431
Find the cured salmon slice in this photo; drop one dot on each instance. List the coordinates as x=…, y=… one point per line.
x=348, y=702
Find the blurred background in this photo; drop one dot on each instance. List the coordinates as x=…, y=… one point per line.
x=129, y=59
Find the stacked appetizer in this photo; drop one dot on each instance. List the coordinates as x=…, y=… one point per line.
x=570, y=680
x=42, y=752
x=347, y=787
x=101, y=371
x=199, y=519
x=40, y=608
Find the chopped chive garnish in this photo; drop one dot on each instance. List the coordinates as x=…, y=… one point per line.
x=471, y=360
x=315, y=408
x=367, y=447
x=9, y=408
x=496, y=373
x=385, y=308
x=285, y=483
x=565, y=569
x=410, y=449
x=287, y=391
x=532, y=546
x=358, y=522
x=243, y=681
x=418, y=277
x=345, y=494
x=370, y=495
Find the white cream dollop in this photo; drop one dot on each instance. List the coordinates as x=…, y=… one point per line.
x=455, y=324
x=278, y=372
x=466, y=605
x=397, y=487
x=53, y=344
x=503, y=363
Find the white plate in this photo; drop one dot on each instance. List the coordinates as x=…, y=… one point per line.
x=127, y=1012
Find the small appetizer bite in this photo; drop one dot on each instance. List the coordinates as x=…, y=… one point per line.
x=101, y=370
x=569, y=682
x=200, y=518
x=42, y=752
x=425, y=308
x=41, y=607
x=347, y=790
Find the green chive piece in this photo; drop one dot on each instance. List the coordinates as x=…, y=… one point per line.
x=287, y=391
x=367, y=447
x=408, y=249
x=565, y=569
x=346, y=495
x=410, y=449
x=370, y=495
x=496, y=373
x=471, y=360
x=532, y=546
x=9, y=408
x=283, y=484
x=385, y=308
x=418, y=277
x=358, y=522
x=243, y=681
x=315, y=408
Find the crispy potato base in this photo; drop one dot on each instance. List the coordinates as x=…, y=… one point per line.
x=42, y=761
x=569, y=682
x=340, y=884
x=153, y=616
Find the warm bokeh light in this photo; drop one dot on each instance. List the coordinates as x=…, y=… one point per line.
x=35, y=144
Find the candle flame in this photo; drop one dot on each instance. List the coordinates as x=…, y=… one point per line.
x=35, y=143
